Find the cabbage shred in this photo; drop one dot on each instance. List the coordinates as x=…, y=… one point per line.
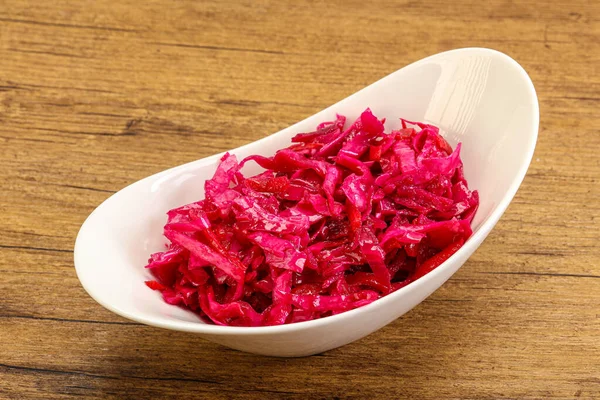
x=342, y=217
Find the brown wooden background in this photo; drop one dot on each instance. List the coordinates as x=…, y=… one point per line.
x=97, y=94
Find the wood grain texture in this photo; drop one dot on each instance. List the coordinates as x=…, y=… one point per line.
x=95, y=95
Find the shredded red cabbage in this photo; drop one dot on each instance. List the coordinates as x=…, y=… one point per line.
x=339, y=219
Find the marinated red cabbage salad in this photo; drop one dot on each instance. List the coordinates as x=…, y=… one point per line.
x=338, y=219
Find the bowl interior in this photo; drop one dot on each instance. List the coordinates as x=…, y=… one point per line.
x=479, y=97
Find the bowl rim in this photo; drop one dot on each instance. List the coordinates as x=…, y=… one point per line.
x=469, y=247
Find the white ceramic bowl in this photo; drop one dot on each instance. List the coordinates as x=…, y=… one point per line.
x=479, y=97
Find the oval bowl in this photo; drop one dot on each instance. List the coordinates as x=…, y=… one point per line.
x=479, y=97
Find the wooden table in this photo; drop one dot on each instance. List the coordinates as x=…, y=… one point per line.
x=96, y=95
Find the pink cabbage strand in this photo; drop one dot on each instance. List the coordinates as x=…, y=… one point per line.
x=340, y=218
